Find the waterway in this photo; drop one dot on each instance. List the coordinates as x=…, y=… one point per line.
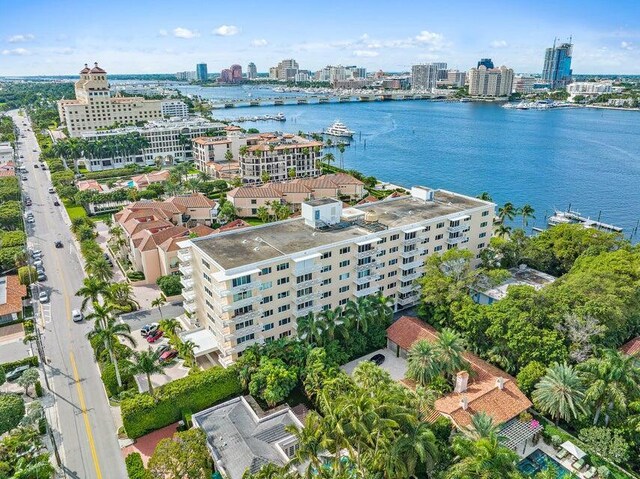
x=586, y=158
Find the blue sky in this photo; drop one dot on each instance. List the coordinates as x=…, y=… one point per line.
x=139, y=36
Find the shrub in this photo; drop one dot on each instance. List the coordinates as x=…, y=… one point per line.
x=170, y=285
x=529, y=376
x=111, y=382
x=135, y=275
x=38, y=388
x=135, y=467
x=11, y=411
x=30, y=361
x=13, y=238
x=27, y=275
x=195, y=392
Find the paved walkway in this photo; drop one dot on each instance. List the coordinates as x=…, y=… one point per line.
x=14, y=350
x=145, y=445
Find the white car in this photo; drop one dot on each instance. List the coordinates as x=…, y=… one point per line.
x=77, y=315
x=51, y=190
x=43, y=297
x=38, y=262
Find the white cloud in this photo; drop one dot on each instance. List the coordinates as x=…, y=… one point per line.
x=260, y=42
x=626, y=45
x=21, y=38
x=184, y=33
x=498, y=44
x=17, y=51
x=163, y=33
x=365, y=53
x=226, y=30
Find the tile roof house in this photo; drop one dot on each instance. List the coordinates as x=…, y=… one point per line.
x=247, y=199
x=485, y=389
x=140, y=182
x=152, y=229
x=11, y=294
x=89, y=185
x=7, y=169
x=241, y=439
x=632, y=348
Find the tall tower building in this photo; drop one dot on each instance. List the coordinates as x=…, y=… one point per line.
x=236, y=73
x=201, y=72
x=557, y=65
x=490, y=82
x=424, y=77
x=252, y=71
x=485, y=62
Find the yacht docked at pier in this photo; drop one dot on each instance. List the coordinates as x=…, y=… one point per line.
x=339, y=129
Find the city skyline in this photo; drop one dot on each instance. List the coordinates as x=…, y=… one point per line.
x=47, y=39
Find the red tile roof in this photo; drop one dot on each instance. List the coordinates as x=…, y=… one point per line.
x=14, y=294
x=482, y=393
x=194, y=200
x=632, y=348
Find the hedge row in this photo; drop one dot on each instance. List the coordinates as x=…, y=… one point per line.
x=30, y=361
x=143, y=413
x=135, y=467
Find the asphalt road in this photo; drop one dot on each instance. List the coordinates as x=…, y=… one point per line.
x=88, y=441
x=137, y=319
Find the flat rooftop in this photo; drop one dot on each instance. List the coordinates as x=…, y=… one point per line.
x=262, y=243
x=522, y=276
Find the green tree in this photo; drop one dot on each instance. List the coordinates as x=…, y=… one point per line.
x=10, y=215
x=170, y=285
x=121, y=296
x=311, y=329
x=147, y=363
x=414, y=453
x=170, y=326
x=186, y=350
x=483, y=458
x=607, y=442
x=484, y=196
x=11, y=411
x=263, y=213
x=181, y=457
x=100, y=269
x=265, y=177
x=359, y=312
x=291, y=173
x=450, y=348
x=272, y=381
x=227, y=212
x=482, y=426
x=507, y=212
x=27, y=275
x=423, y=362
x=28, y=378
x=529, y=376
x=107, y=333
x=560, y=393
x=158, y=303
x=527, y=212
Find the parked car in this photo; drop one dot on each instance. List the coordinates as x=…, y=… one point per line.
x=147, y=329
x=36, y=253
x=28, y=202
x=24, y=178
x=153, y=337
x=36, y=165
x=77, y=315
x=163, y=348
x=31, y=220
x=16, y=373
x=42, y=276
x=38, y=262
x=43, y=297
x=58, y=244
x=377, y=359
x=56, y=203
x=168, y=355
x=51, y=190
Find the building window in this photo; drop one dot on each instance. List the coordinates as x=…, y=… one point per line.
x=427, y=228
x=485, y=213
x=284, y=321
x=438, y=248
x=267, y=313
x=482, y=235
x=342, y=302
x=343, y=289
x=481, y=245
x=344, y=263
x=248, y=337
x=343, y=276
x=266, y=299
x=284, y=280
x=326, y=282
x=439, y=237
x=483, y=224
x=267, y=327
x=360, y=287
x=243, y=310
x=283, y=294
x=410, y=236
x=326, y=269
x=393, y=250
x=266, y=285
x=391, y=274
x=241, y=280
x=205, y=264
x=303, y=278
x=306, y=304
x=326, y=294
x=393, y=261
x=326, y=255
x=282, y=266
x=208, y=291
x=244, y=324
x=241, y=296
x=440, y=225
x=266, y=270
x=285, y=334
x=345, y=250
x=206, y=276
x=283, y=308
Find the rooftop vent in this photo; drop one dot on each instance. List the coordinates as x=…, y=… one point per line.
x=422, y=193
x=371, y=216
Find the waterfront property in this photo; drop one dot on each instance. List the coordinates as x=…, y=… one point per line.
x=490, y=82
x=95, y=108
x=520, y=276
x=241, y=437
x=250, y=286
x=247, y=199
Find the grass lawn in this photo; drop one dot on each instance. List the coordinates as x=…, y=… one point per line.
x=193, y=171
x=254, y=221
x=74, y=211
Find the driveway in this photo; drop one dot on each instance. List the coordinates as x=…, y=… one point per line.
x=396, y=367
x=172, y=373
x=137, y=319
x=14, y=350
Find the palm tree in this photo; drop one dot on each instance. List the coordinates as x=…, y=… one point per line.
x=414, y=453
x=108, y=332
x=265, y=176
x=450, y=348
x=170, y=326
x=483, y=459
x=148, y=363
x=311, y=328
x=263, y=213
x=204, y=176
x=334, y=323
x=423, y=363
x=613, y=380
x=186, y=350
x=192, y=184
x=329, y=158
x=100, y=268
x=311, y=439
x=502, y=231
x=484, y=196
x=121, y=295
x=341, y=149
x=560, y=392
x=359, y=312
x=526, y=212
x=482, y=425
x=291, y=173
x=507, y=211
x=93, y=290
x=158, y=303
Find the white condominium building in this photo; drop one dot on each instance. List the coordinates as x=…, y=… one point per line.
x=175, y=109
x=425, y=76
x=589, y=88
x=250, y=285
x=94, y=107
x=493, y=82
x=169, y=142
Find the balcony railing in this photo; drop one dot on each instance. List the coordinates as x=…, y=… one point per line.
x=364, y=254
x=309, y=269
x=190, y=307
x=365, y=279
x=186, y=269
x=184, y=255
x=222, y=292
x=457, y=239
x=315, y=308
x=408, y=289
x=460, y=228
x=411, y=241
x=187, y=283
x=411, y=277
x=241, y=302
x=409, y=254
x=253, y=314
x=414, y=264
x=189, y=296
x=362, y=267
x=408, y=300
x=307, y=284
x=366, y=292
x=306, y=297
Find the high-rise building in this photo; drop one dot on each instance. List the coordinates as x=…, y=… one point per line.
x=442, y=70
x=186, y=76
x=252, y=71
x=557, y=65
x=236, y=73
x=201, y=72
x=456, y=78
x=424, y=76
x=95, y=108
x=285, y=71
x=485, y=62
x=225, y=76
x=249, y=286
x=524, y=84
x=494, y=82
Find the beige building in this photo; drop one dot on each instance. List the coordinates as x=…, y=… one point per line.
x=94, y=107
x=247, y=199
x=252, y=155
x=250, y=286
x=490, y=82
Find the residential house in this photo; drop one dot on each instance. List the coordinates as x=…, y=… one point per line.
x=520, y=276
x=7, y=169
x=89, y=185
x=11, y=294
x=141, y=182
x=484, y=388
x=632, y=348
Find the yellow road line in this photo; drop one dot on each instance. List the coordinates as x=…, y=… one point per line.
x=85, y=416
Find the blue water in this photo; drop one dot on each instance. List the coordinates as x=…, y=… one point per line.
x=130, y=184
x=550, y=159
x=539, y=461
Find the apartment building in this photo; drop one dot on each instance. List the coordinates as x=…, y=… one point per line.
x=490, y=82
x=587, y=88
x=252, y=155
x=6, y=152
x=249, y=286
x=524, y=84
x=424, y=76
x=175, y=108
x=169, y=142
x=94, y=107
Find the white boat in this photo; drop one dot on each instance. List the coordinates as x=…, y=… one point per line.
x=339, y=129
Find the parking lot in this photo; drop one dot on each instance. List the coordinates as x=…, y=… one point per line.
x=396, y=367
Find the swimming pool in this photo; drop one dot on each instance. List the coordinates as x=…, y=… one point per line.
x=130, y=184
x=539, y=461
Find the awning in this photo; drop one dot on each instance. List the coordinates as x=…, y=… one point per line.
x=204, y=340
x=460, y=218
x=572, y=449
x=369, y=241
x=413, y=230
x=306, y=258
x=223, y=276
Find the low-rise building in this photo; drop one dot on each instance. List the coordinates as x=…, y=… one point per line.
x=89, y=185
x=520, y=276
x=242, y=439
x=11, y=294
x=247, y=199
x=484, y=388
x=140, y=182
x=169, y=142
x=590, y=88
x=174, y=108
x=250, y=286
x=524, y=84
x=7, y=169
x=6, y=152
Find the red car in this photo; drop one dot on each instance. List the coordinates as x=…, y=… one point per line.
x=153, y=337
x=168, y=355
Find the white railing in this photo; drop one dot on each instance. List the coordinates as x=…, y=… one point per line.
x=189, y=296
x=457, y=240
x=365, y=279
x=408, y=289
x=460, y=228
x=187, y=283
x=409, y=254
x=366, y=292
x=315, y=308
x=362, y=267
x=253, y=314
x=414, y=264
x=306, y=297
x=408, y=300
x=242, y=302
x=364, y=254
x=307, y=284
x=184, y=255
x=186, y=269
x=190, y=307
x=411, y=277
